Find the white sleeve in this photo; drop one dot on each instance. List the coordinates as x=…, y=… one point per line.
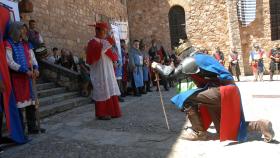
x=11, y=63
x=105, y=46
x=33, y=58
x=229, y=58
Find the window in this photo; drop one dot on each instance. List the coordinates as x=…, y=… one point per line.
x=177, y=25
x=275, y=19
x=246, y=11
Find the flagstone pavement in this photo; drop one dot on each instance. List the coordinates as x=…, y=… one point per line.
x=141, y=131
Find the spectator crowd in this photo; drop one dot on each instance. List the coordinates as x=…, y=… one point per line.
x=126, y=73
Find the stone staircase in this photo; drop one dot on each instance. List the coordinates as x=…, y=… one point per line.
x=54, y=99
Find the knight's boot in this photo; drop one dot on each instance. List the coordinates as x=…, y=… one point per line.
x=196, y=132
x=263, y=126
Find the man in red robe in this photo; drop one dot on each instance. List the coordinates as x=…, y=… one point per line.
x=100, y=57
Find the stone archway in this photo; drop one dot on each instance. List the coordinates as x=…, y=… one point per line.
x=177, y=24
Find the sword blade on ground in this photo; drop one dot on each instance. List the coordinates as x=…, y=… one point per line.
x=162, y=104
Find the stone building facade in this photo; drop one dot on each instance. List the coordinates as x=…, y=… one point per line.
x=64, y=23
x=259, y=31
x=209, y=23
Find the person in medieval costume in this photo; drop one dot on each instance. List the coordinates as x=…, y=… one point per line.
x=233, y=59
x=275, y=60
x=136, y=66
x=158, y=54
x=256, y=61
x=8, y=106
x=105, y=87
x=158, y=50
x=20, y=58
x=35, y=38
x=146, y=67
x=125, y=60
x=219, y=56
x=216, y=98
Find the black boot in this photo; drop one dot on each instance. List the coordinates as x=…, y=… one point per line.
x=143, y=90
x=166, y=87
x=30, y=113
x=148, y=88
x=137, y=92
x=31, y=121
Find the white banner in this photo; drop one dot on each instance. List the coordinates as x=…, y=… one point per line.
x=116, y=34
x=123, y=29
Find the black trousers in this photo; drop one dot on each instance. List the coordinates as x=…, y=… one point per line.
x=30, y=113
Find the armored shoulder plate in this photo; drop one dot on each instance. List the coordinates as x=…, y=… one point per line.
x=189, y=66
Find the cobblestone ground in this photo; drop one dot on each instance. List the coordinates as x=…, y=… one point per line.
x=142, y=132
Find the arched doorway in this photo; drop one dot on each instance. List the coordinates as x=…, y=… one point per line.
x=177, y=25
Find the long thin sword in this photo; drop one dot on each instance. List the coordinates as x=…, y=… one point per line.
x=162, y=104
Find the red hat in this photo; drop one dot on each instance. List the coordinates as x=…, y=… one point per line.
x=100, y=25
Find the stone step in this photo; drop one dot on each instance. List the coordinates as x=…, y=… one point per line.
x=57, y=98
x=49, y=110
x=50, y=92
x=44, y=86
x=40, y=81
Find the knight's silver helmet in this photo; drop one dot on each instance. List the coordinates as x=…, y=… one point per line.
x=185, y=49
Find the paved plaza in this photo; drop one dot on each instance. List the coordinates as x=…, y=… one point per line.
x=141, y=132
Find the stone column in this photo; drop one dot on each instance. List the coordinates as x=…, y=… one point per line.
x=234, y=31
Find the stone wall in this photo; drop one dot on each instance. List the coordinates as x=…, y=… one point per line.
x=206, y=21
x=64, y=23
x=209, y=23
x=258, y=31
x=149, y=18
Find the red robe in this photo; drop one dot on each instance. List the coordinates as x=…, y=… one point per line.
x=109, y=107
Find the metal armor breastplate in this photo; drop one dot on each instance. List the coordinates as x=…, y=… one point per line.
x=189, y=66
